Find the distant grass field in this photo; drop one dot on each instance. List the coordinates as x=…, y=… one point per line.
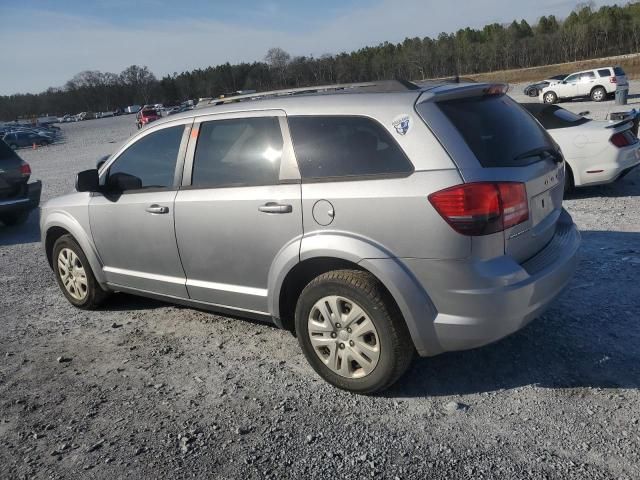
x=630, y=64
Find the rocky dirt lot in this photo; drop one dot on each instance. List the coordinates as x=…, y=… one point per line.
x=148, y=390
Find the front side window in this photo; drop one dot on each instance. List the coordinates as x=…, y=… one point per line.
x=152, y=159
x=342, y=146
x=572, y=78
x=238, y=152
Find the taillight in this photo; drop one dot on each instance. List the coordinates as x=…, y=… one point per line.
x=25, y=169
x=623, y=139
x=482, y=208
x=613, y=79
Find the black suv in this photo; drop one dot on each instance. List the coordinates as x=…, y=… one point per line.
x=17, y=196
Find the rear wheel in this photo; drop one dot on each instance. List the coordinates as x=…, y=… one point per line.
x=74, y=275
x=550, y=97
x=11, y=219
x=598, y=94
x=351, y=332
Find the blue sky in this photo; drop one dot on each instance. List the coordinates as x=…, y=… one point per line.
x=46, y=42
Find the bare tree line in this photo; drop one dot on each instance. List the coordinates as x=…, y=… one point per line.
x=586, y=33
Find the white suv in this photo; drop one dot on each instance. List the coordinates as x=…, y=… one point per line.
x=596, y=84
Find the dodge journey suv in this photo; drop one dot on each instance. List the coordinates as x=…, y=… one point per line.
x=375, y=221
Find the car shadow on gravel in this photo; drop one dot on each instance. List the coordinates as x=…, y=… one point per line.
x=587, y=339
x=28, y=232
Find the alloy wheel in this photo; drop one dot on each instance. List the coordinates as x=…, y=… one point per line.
x=344, y=337
x=72, y=274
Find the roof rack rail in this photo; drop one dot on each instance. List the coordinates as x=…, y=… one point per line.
x=381, y=86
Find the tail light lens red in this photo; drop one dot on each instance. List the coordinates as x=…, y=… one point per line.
x=25, y=169
x=482, y=208
x=624, y=139
x=613, y=79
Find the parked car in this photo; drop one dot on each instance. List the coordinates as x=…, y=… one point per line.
x=596, y=84
x=146, y=116
x=16, y=140
x=133, y=109
x=18, y=197
x=534, y=89
x=374, y=224
x=596, y=152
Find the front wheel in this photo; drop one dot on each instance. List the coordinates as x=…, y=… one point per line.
x=351, y=331
x=74, y=275
x=550, y=97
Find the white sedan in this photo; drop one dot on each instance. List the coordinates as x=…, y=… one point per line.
x=596, y=151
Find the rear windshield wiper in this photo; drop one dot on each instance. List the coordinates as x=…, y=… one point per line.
x=540, y=152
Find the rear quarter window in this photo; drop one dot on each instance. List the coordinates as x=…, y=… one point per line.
x=604, y=72
x=345, y=146
x=496, y=129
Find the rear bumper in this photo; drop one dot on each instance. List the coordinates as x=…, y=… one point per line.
x=618, y=165
x=24, y=203
x=479, y=302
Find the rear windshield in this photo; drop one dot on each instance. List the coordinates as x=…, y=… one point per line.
x=148, y=113
x=619, y=71
x=5, y=151
x=496, y=129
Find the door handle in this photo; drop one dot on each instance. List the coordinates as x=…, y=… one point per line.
x=273, y=207
x=155, y=208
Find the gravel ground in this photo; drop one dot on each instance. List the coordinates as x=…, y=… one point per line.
x=148, y=390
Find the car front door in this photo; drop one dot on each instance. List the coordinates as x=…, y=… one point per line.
x=132, y=221
x=239, y=207
x=569, y=86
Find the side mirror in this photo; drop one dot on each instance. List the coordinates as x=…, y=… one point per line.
x=101, y=161
x=88, y=181
x=120, y=182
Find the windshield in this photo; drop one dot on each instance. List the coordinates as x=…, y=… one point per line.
x=149, y=113
x=497, y=130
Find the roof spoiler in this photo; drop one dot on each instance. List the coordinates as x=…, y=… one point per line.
x=459, y=91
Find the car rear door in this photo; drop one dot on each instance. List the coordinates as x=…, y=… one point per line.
x=586, y=83
x=239, y=208
x=493, y=139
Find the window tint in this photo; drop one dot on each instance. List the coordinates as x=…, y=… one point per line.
x=237, y=152
x=618, y=71
x=340, y=146
x=152, y=159
x=604, y=72
x=496, y=129
x=572, y=78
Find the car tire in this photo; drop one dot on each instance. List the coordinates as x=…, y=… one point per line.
x=362, y=354
x=569, y=184
x=13, y=146
x=74, y=274
x=533, y=92
x=12, y=219
x=550, y=97
x=598, y=94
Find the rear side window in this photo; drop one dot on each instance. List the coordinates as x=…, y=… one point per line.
x=152, y=159
x=344, y=146
x=618, y=71
x=587, y=76
x=238, y=152
x=497, y=130
x=604, y=72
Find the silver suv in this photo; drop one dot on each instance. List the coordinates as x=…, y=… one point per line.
x=375, y=221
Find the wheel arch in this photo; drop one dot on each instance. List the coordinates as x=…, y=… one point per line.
x=58, y=224
x=321, y=253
